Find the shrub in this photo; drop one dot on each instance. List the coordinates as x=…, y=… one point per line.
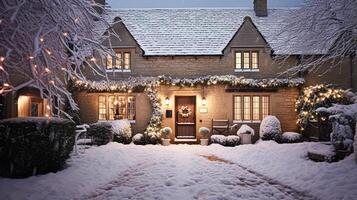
x=204, y=132
x=101, y=132
x=245, y=129
x=219, y=139
x=270, y=129
x=31, y=146
x=139, y=139
x=232, y=140
x=122, y=131
x=342, y=132
x=291, y=137
x=166, y=132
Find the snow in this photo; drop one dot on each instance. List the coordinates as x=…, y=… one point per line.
x=166, y=132
x=245, y=129
x=270, y=124
x=266, y=170
x=204, y=131
x=322, y=149
x=291, y=136
x=121, y=128
x=219, y=139
x=204, y=31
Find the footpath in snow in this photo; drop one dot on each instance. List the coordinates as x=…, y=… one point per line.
x=262, y=171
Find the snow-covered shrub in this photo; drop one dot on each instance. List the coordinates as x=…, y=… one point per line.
x=166, y=132
x=139, y=139
x=204, y=132
x=232, y=140
x=355, y=143
x=122, y=131
x=219, y=139
x=101, y=132
x=270, y=128
x=291, y=137
x=245, y=129
x=31, y=146
x=342, y=132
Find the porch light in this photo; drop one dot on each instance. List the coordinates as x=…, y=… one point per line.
x=204, y=101
x=167, y=101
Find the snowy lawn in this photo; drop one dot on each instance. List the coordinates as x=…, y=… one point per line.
x=262, y=171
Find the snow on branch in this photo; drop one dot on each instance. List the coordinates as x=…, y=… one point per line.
x=45, y=43
x=327, y=26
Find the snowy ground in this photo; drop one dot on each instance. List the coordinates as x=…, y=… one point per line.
x=262, y=171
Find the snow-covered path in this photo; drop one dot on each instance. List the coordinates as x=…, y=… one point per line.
x=179, y=173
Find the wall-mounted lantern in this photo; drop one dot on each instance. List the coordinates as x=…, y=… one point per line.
x=167, y=101
x=204, y=101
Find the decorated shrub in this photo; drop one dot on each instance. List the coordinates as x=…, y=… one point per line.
x=204, y=132
x=232, y=140
x=138, y=139
x=291, y=137
x=101, y=132
x=122, y=131
x=31, y=146
x=270, y=128
x=166, y=132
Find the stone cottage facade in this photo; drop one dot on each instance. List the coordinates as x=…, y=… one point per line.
x=195, y=43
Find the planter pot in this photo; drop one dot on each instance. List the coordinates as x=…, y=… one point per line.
x=246, y=138
x=204, y=142
x=165, y=142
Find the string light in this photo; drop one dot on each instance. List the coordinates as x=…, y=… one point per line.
x=6, y=85
x=2, y=58
x=51, y=82
x=65, y=34
x=93, y=59
x=41, y=39
x=47, y=70
x=48, y=52
x=31, y=57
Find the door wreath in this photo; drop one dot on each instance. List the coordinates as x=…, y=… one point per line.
x=185, y=111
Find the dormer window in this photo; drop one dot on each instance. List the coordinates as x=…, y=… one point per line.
x=246, y=61
x=121, y=62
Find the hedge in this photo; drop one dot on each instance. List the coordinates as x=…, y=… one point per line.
x=31, y=146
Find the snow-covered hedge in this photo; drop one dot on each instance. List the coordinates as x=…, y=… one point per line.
x=138, y=139
x=122, y=131
x=231, y=140
x=270, y=128
x=342, y=132
x=31, y=146
x=166, y=132
x=204, y=132
x=291, y=137
x=245, y=129
x=101, y=132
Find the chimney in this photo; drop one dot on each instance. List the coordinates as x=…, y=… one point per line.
x=261, y=8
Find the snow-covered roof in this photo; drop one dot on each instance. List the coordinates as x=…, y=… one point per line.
x=203, y=31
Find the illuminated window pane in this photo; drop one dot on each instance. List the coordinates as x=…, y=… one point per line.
x=246, y=108
x=254, y=60
x=102, y=108
x=256, y=107
x=109, y=63
x=118, y=61
x=238, y=60
x=111, y=107
x=131, y=108
x=122, y=107
x=246, y=60
x=126, y=60
x=265, y=106
x=237, y=108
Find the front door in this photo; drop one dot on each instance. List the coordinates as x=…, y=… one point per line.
x=185, y=120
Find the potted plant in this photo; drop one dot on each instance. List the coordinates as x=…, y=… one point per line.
x=165, y=133
x=245, y=132
x=204, y=132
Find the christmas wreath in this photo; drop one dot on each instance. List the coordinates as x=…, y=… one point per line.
x=185, y=111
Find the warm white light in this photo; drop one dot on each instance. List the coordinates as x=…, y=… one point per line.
x=48, y=52
x=204, y=101
x=92, y=59
x=6, y=85
x=48, y=107
x=47, y=70
x=167, y=101
x=31, y=57
x=2, y=59
x=65, y=34
x=51, y=82
x=41, y=39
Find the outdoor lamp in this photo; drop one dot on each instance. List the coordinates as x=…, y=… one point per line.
x=167, y=101
x=204, y=101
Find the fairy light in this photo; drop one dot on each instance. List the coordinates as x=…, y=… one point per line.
x=48, y=52
x=51, y=82
x=31, y=57
x=41, y=39
x=47, y=70
x=93, y=59
x=65, y=34
x=2, y=59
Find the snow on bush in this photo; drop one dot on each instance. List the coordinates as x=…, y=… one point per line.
x=291, y=137
x=204, y=132
x=122, y=131
x=232, y=140
x=245, y=129
x=166, y=132
x=355, y=144
x=270, y=128
x=342, y=133
x=219, y=139
x=138, y=139
x=101, y=132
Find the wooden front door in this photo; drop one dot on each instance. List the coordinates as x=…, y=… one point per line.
x=185, y=117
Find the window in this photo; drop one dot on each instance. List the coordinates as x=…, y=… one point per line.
x=247, y=60
x=121, y=61
x=124, y=104
x=250, y=108
x=102, y=109
x=31, y=106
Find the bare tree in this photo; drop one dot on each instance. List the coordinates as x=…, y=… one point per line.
x=324, y=32
x=48, y=42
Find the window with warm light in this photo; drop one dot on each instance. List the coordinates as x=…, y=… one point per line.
x=29, y=106
x=121, y=62
x=108, y=108
x=250, y=107
x=247, y=60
